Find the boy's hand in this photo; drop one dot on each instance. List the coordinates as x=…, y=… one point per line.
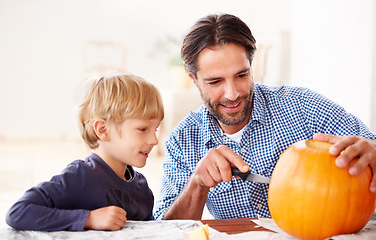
x=106, y=218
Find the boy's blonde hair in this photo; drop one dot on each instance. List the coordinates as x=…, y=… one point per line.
x=116, y=98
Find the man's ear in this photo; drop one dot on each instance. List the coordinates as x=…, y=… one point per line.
x=192, y=78
x=101, y=129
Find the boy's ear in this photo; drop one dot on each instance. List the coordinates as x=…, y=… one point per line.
x=101, y=129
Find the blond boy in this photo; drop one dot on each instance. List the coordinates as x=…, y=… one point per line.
x=118, y=121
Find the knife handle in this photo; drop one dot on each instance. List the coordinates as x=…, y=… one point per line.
x=236, y=172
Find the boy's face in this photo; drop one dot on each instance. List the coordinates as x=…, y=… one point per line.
x=131, y=142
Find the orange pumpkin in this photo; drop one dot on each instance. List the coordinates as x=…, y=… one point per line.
x=311, y=198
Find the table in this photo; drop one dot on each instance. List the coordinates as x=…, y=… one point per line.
x=243, y=228
x=246, y=226
x=233, y=226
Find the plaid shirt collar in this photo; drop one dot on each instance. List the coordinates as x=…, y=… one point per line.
x=212, y=132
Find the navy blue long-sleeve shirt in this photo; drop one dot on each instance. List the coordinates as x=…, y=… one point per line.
x=64, y=202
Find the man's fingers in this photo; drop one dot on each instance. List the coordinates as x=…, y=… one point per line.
x=341, y=144
x=349, y=147
x=206, y=179
x=215, y=173
x=359, y=166
x=233, y=158
x=372, y=185
x=215, y=167
x=335, y=149
x=346, y=152
x=325, y=138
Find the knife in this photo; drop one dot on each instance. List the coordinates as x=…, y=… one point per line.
x=248, y=176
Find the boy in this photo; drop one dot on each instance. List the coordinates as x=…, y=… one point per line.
x=118, y=121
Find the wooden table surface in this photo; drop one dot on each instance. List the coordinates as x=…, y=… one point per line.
x=233, y=226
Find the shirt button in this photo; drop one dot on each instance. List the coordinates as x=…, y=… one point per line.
x=242, y=150
x=211, y=189
x=259, y=206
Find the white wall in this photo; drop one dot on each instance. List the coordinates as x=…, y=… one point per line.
x=42, y=70
x=333, y=52
x=41, y=66
x=373, y=79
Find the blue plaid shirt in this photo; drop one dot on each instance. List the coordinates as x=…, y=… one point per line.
x=280, y=117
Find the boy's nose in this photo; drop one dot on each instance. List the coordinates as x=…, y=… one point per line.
x=153, y=139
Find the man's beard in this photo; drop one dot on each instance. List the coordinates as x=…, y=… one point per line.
x=230, y=120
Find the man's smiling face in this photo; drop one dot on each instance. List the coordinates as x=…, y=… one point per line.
x=225, y=84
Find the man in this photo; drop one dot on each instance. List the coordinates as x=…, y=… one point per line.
x=244, y=125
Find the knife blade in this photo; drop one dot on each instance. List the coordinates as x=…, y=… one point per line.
x=249, y=176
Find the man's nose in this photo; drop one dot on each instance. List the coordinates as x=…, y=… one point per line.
x=231, y=91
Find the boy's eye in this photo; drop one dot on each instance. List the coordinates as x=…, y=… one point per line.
x=142, y=129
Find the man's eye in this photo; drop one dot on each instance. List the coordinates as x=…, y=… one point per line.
x=243, y=75
x=213, y=82
x=142, y=129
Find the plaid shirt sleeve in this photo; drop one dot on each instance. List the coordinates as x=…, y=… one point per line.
x=280, y=116
x=180, y=162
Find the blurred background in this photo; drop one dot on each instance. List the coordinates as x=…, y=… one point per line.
x=49, y=48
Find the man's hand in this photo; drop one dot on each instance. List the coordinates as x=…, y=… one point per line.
x=210, y=170
x=349, y=147
x=106, y=218
x=215, y=167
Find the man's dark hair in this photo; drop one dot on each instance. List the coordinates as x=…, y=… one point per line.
x=214, y=30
